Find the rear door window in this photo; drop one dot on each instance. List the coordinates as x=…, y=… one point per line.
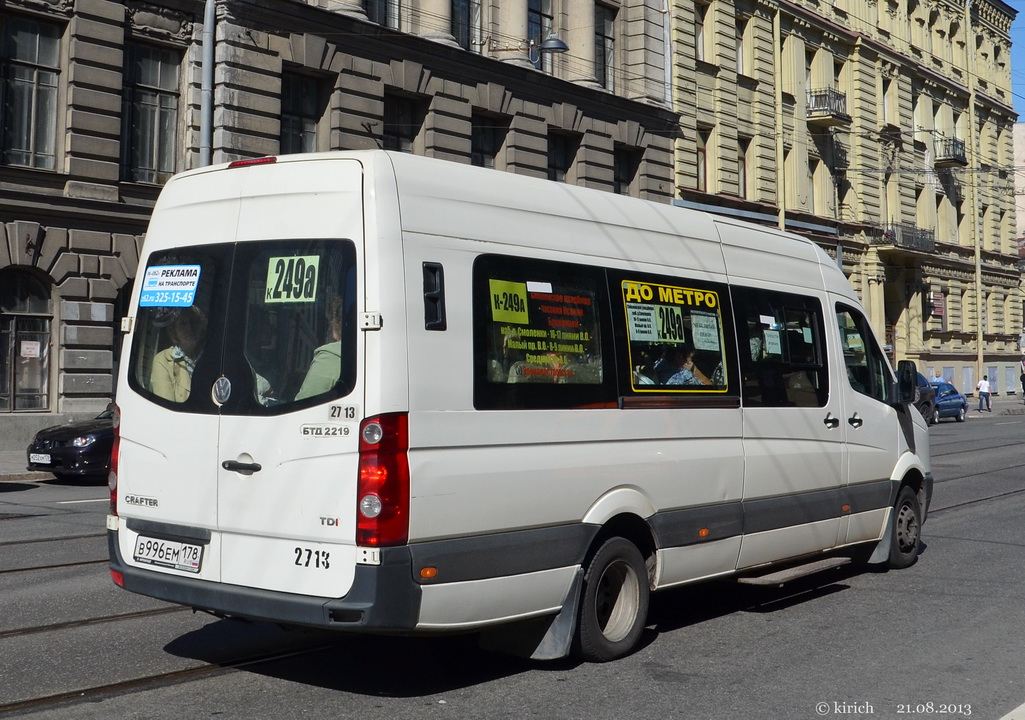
x=271, y=324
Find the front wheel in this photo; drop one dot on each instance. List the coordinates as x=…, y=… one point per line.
x=907, y=529
x=614, y=603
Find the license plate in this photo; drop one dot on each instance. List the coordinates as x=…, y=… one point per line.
x=169, y=554
x=39, y=458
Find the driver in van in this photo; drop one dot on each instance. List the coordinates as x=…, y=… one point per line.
x=326, y=366
x=171, y=376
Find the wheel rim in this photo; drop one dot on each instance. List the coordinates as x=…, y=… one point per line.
x=907, y=528
x=617, y=601
x=935, y=416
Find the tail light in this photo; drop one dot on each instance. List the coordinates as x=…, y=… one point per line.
x=114, y=453
x=382, y=495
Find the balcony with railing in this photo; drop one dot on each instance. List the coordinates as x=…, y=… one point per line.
x=905, y=236
x=950, y=152
x=827, y=108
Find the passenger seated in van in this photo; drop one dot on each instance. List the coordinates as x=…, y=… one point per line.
x=326, y=366
x=171, y=375
x=687, y=373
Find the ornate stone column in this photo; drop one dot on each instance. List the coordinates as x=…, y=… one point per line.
x=436, y=21
x=510, y=45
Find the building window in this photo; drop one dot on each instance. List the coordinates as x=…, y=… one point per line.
x=741, y=32
x=26, y=312
x=487, y=136
x=604, y=46
x=466, y=24
x=403, y=118
x=562, y=150
x=700, y=20
x=301, y=109
x=626, y=162
x=539, y=26
x=150, y=113
x=813, y=171
x=382, y=12
x=702, y=160
x=743, y=153
x=31, y=65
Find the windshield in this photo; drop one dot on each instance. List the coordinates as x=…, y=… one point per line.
x=271, y=324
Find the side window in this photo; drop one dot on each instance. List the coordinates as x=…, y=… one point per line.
x=867, y=370
x=540, y=335
x=674, y=335
x=782, y=353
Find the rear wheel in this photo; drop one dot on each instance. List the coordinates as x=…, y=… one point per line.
x=907, y=529
x=614, y=603
x=935, y=417
x=961, y=413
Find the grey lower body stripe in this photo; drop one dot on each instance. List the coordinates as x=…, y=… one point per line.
x=525, y=551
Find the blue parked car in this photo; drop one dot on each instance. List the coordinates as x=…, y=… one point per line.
x=949, y=403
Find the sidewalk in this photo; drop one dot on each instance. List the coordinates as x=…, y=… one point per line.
x=12, y=467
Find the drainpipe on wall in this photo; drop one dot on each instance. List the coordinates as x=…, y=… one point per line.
x=206, y=93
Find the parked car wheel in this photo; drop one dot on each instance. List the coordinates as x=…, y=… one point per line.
x=935, y=417
x=961, y=414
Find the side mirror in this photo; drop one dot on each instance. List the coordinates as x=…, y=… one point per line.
x=907, y=381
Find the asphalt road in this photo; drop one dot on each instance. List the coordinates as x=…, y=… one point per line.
x=943, y=638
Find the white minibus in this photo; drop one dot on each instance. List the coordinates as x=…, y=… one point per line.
x=383, y=393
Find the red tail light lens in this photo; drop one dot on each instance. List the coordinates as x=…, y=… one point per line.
x=382, y=495
x=115, y=451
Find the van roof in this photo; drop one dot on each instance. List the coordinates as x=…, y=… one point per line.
x=451, y=198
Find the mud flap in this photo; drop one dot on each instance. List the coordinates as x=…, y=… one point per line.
x=547, y=638
x=881, y=554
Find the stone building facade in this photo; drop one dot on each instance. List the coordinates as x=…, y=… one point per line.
x=110, y=96
x=880, y=128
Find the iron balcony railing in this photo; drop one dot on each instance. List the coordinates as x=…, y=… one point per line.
x=908, y=237
x=827, y=101
x=950, y=150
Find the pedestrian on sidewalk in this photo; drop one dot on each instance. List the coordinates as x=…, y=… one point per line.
x=1022, y=378
x=983, y=388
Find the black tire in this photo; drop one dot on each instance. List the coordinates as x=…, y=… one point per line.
x=961, y=413
x=614, y=602
x=935, y=417
x=907, y=530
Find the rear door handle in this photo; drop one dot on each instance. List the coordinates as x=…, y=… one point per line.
x=831, y=422
x=241, y=467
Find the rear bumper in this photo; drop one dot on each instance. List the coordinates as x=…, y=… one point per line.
x=382, y=598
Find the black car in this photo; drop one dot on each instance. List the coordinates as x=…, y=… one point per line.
x=926, y=402
x=78, y=449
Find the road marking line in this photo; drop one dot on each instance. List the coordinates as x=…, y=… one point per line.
x=1017, y=714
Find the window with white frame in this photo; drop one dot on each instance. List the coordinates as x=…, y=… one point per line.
x=302, y=106
x=382, y=12
x=702, y=48
x=30, y=72
x=466, y=24
x=604, y=46
x=540, y=24
x=149, y=134
x=743, y=153
x=702, y=160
